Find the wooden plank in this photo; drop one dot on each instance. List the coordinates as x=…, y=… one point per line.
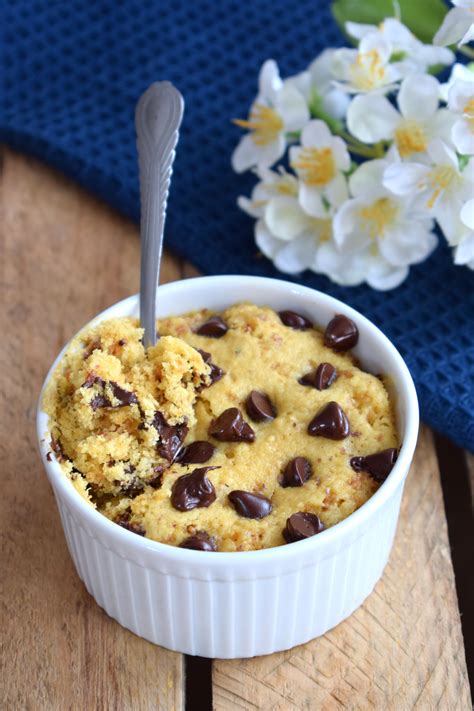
x=64, y=258
x=403, y=649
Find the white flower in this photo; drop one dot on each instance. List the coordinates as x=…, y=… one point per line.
x=464, y=238
x=461, y=101
x=278, y=109
x=371, y=117
x=319, y=162
x=284, y=232
x=459, y=72
x=439, y=188
x=404, y=43
x=367, y=68
x=458, y=24
x=378, y=235
x=320, y=71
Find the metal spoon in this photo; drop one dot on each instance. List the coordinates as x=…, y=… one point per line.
x=158, y=117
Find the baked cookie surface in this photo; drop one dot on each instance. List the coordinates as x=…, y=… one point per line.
x=217, y=436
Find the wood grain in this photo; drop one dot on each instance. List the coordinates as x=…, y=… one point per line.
x=402, y=649
x=64, y=257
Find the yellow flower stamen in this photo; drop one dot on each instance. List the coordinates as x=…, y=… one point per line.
x=439, y=179
x=469, y=113
x=264, y=122
x=321, y=228
x=367, y=72
x=375, y=218
x=410, y=138
x=316, y=166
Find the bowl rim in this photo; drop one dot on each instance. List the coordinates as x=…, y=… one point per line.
x=238, y=559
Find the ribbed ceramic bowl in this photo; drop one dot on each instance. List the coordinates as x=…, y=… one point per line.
x=241, y=604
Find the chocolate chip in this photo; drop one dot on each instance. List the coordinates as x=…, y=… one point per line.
x=330, y=422
x=302, y=525
x=216, y=372
x=171, y=436
x=321, y=378
x=197, y=452
x=259, y=407
x=230, y=426
x=294, y=320
x=214, y=327
x=91, y=380
x=378, y=465
x=122, y=342
x=193, y=490
x=156, y=479
x=296, y=472
x=201, y=541
x=94, y=345
x=99, y=401
x=125, y=397
x=49, y=456
x=58, y=450
x=132, y=488
x=124, y=522
x=341, y=333
x=250, y=505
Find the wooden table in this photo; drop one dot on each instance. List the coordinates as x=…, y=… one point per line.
x=65, y=257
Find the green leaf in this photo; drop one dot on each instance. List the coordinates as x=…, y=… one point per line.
x=422, y=17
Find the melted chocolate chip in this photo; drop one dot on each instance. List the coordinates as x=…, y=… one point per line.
x=124, y=522
x=341, y=333
x=132, y=488
x=378, y=465
x=99, y=401
x=125, y=397
x=197, y=452
x=201, y=541
x=302, y=525
x=330, y=422
x=214, y=327
x=296, y=472
x=231, y=427
x=250, y=505
x=171, y=436
x=216, y=372
x=259, y=407
x=57, y=449
x=321, y=378
x=294, y=320
x=156, y=479
x=91, y=348
x=193, y=490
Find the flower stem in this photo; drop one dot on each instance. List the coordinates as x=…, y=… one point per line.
x=466, y=51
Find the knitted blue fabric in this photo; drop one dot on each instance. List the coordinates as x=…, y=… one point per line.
x=73, y=72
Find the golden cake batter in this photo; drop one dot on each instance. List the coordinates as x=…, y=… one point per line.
x=120, y=415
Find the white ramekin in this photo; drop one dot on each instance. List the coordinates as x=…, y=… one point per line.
x=241, y=604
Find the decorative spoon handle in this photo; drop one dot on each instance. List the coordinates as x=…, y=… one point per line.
x=158, y=117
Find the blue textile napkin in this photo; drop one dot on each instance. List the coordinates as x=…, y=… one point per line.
x=72, y=75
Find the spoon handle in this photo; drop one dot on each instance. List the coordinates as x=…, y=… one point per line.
x=158, y=117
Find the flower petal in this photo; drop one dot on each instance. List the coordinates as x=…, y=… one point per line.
x=404, y=178
x=336, y=191
x=442, y=154
x=464, y=253
x=344, y=269
x=249, y=206
x=341, y=154
x=375, y=41
x=418, y=97
x=407, y=243
x=316, y=134
x=269, y=81
x=311, y=201
x=285, y=218
x=455, y=24
x=296, y=256
x=459, y=94
x=335, y=102
x=467, y=214
x=366, y=180
x=383, y=276
x=371, y=118
x=348, y=235
x=267, y=243
x=463, y=137
x=292, y=107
